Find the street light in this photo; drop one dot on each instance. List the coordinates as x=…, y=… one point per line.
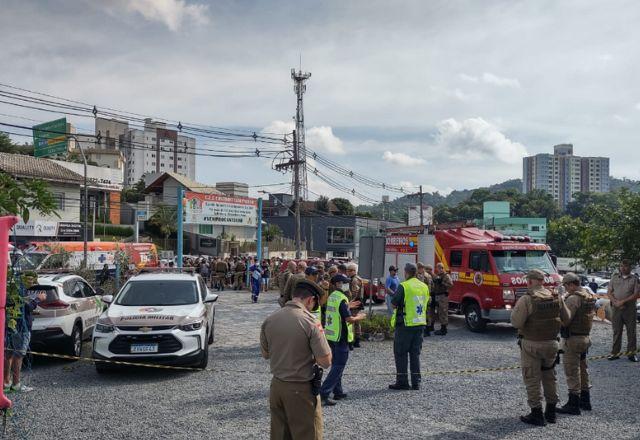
x=86, y=200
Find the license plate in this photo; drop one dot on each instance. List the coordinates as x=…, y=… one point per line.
x=144, y=348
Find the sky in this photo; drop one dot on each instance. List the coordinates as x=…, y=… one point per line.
x=447, y=94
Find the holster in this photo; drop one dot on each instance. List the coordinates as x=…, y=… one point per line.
x=316, y=382
x=565, y=332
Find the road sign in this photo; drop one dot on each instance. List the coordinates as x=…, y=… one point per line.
x=142, y=215
x=49, y=138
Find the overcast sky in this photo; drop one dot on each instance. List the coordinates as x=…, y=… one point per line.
x=448, y=94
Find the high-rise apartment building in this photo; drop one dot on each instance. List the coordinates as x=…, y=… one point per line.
x=562, y=174
x=156, y=149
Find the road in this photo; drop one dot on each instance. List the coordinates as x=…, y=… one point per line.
x=71, y=401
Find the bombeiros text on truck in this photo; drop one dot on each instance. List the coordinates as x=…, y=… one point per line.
x=487, y=268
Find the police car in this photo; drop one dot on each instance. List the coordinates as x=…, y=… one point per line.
x=164, y=317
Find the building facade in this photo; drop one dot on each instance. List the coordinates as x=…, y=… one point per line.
x=156, y=149
x=562, y=174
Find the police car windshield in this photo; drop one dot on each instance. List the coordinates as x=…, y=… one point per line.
x=522, y=261
x=158, y=293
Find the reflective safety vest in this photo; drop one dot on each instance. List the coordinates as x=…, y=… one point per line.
x=416, y=300
x=317, y=313
x=333, y=324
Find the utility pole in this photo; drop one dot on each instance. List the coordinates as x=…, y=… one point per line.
x=421, y=213
x=295, y=163
x=180, y=208
x=296, y=190
x=299, y=88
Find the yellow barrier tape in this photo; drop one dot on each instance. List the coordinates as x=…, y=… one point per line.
x=231, y=371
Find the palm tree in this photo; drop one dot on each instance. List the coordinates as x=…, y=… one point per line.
x=165, y=219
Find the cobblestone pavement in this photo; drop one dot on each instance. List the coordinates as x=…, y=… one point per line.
x=71, y=401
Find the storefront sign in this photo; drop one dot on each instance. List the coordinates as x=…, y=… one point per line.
x=402, y=244
x=214, y=209
x=35, y=228
x=69, y=229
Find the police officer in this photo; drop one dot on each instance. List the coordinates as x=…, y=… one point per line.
x=409, y=320
x=302, y=272
x=355, y=287
x=441, y=284
x=581, y=307
x=624, y=290
x=339, y=332
x=293, y=342
x=284, y=277
x=537, y=316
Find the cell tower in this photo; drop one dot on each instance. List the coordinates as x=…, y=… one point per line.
x=299, y=88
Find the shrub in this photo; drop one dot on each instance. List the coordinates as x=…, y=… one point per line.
x=376, y=323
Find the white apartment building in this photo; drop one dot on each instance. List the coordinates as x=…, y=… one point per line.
x=155, y=150
x=562, y=174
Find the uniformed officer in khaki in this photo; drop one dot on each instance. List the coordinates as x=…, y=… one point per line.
x=581, y=307
x=624, y=290
x=293, y=279
x=537, y=316
x=355, y=289
x=441, y=284
x=292, y=267
x=293, y=341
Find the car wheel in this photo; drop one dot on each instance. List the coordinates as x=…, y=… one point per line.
x=473, y=318
x=74, y=342
x=212, y=331
x=204, y=358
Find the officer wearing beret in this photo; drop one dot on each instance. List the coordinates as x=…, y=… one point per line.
x=293, y=341
x=537, y=316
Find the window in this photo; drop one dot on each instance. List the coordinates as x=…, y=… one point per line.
x=59, y=200
x=340, y=235
x=479, y=261
x=162, y=165
x=203, y=288
x=205, y=229
x=535, y=228
x=456, y=258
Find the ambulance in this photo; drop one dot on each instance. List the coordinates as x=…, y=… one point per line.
x=487, y=268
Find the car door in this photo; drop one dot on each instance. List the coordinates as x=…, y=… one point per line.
x=203, y=295
x=86, y=304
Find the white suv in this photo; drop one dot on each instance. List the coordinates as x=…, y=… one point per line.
x=164, y=317
x=69, y=313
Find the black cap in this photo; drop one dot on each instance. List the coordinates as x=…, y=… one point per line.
x=392, y=267
x=340, y=278
x=311, y=270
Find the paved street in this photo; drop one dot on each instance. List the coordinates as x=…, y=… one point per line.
x=71, y=401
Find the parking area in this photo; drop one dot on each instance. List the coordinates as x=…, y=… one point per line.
x=71, y=401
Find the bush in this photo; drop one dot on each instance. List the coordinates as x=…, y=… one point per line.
x=114, y=230
x=376, y=324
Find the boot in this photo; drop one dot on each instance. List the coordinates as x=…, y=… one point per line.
x=442, y=331
x=427, y=330
x=585, y=400
x=399, y=386
x=550, y=413
x=572, y=407
x=534, y=418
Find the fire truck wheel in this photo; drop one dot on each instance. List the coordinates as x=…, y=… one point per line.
x=473, y=317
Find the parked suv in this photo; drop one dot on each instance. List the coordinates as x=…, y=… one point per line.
x=162, y=317
x=69, y=313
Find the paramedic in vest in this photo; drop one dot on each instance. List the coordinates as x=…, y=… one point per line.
x=581, y=305
x=409, y=319
x=339, y=332
x=537, y=316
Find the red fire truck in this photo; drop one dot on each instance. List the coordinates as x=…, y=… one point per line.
x=488, y=269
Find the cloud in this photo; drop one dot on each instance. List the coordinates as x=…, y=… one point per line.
x=476, y=138
x=427, y=188
x=323, y=138
x=172, y=13
x=490, y=78
x=318, y=138
x=637, y=106
x=402, y=159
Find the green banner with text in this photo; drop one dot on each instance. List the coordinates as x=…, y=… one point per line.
x=49, y=138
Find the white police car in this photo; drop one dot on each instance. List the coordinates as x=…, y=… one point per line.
x=164, y=317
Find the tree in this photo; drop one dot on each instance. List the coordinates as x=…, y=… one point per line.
x=20, y=197
x=7, y=146
x=322, y=204
x=365, y=214
x=165, y=219
x=565, y=236
x=271, y=232
x=135, y=193
x=343, y=206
